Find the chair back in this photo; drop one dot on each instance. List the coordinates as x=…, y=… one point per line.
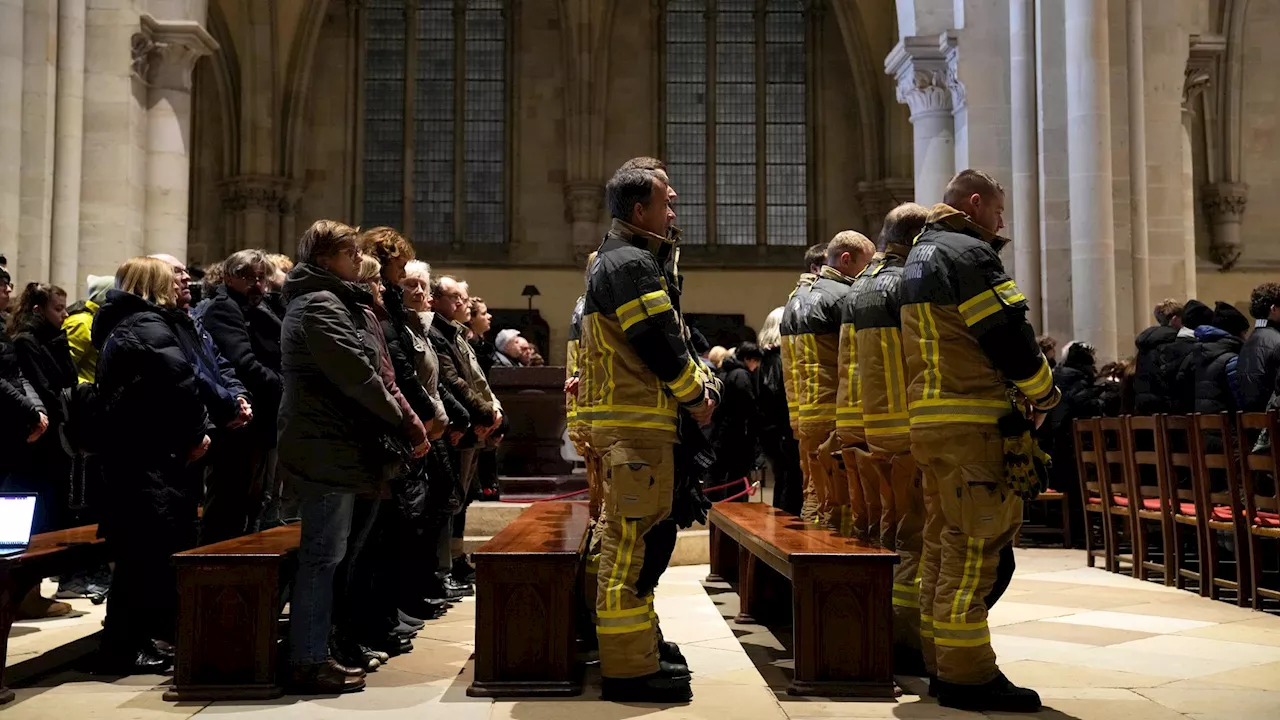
x=1089, y=461
x=1218, y=482
x=1258, y=470
x=1180, y=444
x=1148, y=457
x=1115, y=455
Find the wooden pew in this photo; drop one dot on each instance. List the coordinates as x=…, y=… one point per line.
x=525, y=602
x=840, y=595
x=49, y=554
x=228, y=616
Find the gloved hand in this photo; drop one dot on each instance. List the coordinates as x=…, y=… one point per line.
x=1026, y=466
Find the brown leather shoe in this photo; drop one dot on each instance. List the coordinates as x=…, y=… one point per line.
x=347, y=670
x=35, y=607
x=326, y=678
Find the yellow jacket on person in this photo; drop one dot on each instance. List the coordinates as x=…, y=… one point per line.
x=79, y=329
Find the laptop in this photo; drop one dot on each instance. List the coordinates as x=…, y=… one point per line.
x=17, y=513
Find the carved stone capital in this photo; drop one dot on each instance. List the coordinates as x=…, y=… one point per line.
x=164, y=52
x=1201, y=61
x=921, y=70
x=583, y=201
x=268, y=193
x=1224, y=206
x=948, y=45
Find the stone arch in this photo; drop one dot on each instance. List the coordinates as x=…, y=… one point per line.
x=867, y=88
x=225, y=71
x=298, y=85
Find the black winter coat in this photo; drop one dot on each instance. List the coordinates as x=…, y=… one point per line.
x=248, y=336
x=1211, y=371
x=1152, y=392
x=153, y=417
x=335, y=409
x=733, y=436
x=444, y=335
x=44, y=357
x=395, y=326
x=1258, y=367
x=20, y=406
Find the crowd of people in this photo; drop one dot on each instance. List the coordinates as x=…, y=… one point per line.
x=344, y=388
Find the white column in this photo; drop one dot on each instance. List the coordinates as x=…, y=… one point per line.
x=169, y=54
x=1089, y=145
x=1054, y=180
x=10, y=127
x=1138, y=171
x=68, y=145
x=1225, y=201
x=1026, y=162
x=920, y=68
x=40, y=49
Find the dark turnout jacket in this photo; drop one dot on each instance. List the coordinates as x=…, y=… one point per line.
x=335, y=408
x=248, y=336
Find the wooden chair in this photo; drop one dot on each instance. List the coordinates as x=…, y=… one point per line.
x=1090, y=468
x=1181, y=446
x=1261, y=509
x=1149, y=492
x=1218, y=504
x=1116, y=456
x=1041, y=507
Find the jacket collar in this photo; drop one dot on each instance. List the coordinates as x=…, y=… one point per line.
x=659, y=246
x=831, y=273
x=948, y=218
x=896, y=250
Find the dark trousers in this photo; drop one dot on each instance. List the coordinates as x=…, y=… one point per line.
x=241, y=476
x=365, y=588
x=784, y=463
x=659, y=545
x=1004, y=575
x=143, y=604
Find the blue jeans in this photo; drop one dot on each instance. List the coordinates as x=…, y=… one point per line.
x=326, y=537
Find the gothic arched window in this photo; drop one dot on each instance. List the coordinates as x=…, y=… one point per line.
x=736, y=119
x=436, y=128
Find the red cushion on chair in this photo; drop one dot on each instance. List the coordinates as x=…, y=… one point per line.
x=1267, y=519
x=1095, y=500
x=1150, y=503
x=1187, y=508
x=1120, y=500
x=1221, y=512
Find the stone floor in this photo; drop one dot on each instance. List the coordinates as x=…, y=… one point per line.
x=1096, y=645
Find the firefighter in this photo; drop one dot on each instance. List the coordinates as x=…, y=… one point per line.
x=973, y=366
x=580, y=436
x=638, y=375
x=793, y=366
x=818, y=343
x=886, y=463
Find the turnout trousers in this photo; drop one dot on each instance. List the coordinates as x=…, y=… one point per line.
x=817, y=506
x=889, y=465
x=861, y=505
x=971, y=515
x=581, y=438
x=638, y=483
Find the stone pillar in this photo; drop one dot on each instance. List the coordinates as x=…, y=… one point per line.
x=1224, y=201
x=1138, y=168
x=1025, y=196
x=165, y=55
x=1089, y=144
x=39, y=82
x=584, y=203
x=1054, y=202
x=260, y=212
x=1224, y=204
x=10, y=127
x=68, y=145
x=919, y=66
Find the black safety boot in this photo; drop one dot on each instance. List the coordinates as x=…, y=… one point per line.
x=667, y=687
x=670, y=652
x=908, y=661
x=998, y=695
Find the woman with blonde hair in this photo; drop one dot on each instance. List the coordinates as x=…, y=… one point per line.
x=776, y=437
x=151, y=427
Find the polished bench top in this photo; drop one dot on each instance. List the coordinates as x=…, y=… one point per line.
x=789, y=538
x=545, y=528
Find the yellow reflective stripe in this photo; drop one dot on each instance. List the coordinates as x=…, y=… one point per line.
x=855, y=382
x=624, y=629
x=961, y=634
x=888, y=421
x=895, y=383
x=812, y=367
x=685, y=387
x=1038, y=385
x=963, y=599
x=623, y=614
x=929, y=350
x=980, y=307
x=906, y=595
x=966, y=410
x=1009, y=293
x=647, y=305
x=926, y=626
x=618, y=575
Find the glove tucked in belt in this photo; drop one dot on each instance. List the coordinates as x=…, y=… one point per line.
x=1026, y=466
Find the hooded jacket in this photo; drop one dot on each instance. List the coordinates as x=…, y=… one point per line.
x=335, y=408
x=1210, y=372
x=1258, y=366
x=1152, y=382
x=789, y=328
x=733, y=435
x=965, y=329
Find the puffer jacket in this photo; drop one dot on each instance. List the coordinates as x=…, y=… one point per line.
x=1152, y=394
x=965, y=329
x=817, y=346
x=248, y=337
x=335, y=409
x=873, y=312
x=734, y=433
x=1259, y=366
x=632, y=337
x=791, y=360
x=1211, y=372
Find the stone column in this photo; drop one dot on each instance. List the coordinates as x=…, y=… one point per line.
x=1025, y=197
x=583, y=203
x=1224, y=204
x=68, y=145
x=10, y=127
x=1225, y=201
x=260, y=211
x=919, y=66
x=1138, y=168
x=165, y=54
x=1089, y=144
x=39, y=83
x=1054, y=180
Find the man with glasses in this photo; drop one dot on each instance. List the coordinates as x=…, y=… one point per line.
x=241, y=482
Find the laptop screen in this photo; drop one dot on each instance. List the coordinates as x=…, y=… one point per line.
x=16, y=514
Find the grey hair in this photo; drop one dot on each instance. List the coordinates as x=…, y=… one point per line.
x=627, y=187
x=237, y=263
x=417, y=270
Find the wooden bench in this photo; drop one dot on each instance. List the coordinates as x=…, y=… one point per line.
x=525, y=601
x=49, y=554
x=228, y=616
x=840, y=595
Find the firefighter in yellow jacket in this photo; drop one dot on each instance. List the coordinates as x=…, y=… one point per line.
x=886, y=465
x=819, y=342
x=639, y=373
x=972, y=365
x=793, y=367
